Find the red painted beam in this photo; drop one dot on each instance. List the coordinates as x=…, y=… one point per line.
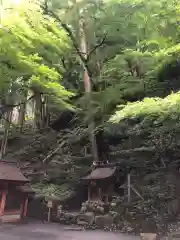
x=25, y=207
x=3, y=202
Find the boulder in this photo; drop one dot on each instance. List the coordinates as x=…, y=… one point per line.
x=99, y=209
x=68, y=218
x=86, y=217
x=83, y=209
x=103, y=220
x=82, y=223
x=175, y=236
x=93, y=206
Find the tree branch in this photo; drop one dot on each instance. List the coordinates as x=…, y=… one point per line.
x=63, y=63
x=46, y=159
x=71, y=36
x=96, y=47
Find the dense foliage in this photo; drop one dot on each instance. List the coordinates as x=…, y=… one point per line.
x=28, y=41
x=115, y=63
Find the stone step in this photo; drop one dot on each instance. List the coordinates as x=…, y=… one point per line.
x=73, y=228
x=148, y=236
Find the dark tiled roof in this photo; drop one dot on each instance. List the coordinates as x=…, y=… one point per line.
x=101, y=173
x=10, y=172
x=25, y=189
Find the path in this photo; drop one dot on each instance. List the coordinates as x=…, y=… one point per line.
x=55, y=232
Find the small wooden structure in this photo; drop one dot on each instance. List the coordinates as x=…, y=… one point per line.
x=14, y=193
x=101, y=183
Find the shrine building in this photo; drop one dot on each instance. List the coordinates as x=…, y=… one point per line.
x=15, y=191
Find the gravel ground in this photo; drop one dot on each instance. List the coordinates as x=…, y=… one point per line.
x=173, y=232
x=40, y=231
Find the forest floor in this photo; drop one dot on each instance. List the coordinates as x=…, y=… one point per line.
x=35, y=231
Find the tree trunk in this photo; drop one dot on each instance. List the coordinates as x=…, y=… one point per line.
x=38, y=110
x=22, y=111
x=129, y=187
x=7, y=122
x=45, y=112
x=41, y=115
x=82, y=53
x=87, y=86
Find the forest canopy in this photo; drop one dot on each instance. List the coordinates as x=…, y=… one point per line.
x=28, y=40
x=97, y=69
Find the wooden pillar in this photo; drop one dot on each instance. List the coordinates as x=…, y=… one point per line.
x=25, y=207
x=100, y=194
x=22, y=209
x=49, y=215
x=89, y=194
x=3, y=202
x=106, y=199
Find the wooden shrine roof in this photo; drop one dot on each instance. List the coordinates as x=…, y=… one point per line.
x=101, y=173
x=9, y=172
